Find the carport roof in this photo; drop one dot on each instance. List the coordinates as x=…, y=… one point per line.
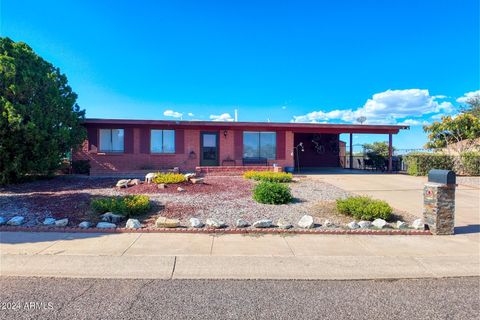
x=278, y=126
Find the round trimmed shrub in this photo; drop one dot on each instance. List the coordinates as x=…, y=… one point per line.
x=272, y=193
x=364, y=208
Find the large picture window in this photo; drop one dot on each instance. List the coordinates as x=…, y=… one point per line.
x=162, y=141
x=111, y=140
x=260, y=145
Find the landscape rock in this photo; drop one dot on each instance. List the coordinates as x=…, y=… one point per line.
x=48, y=221
x=240, y=223
x=353, y=225
x=123, y=183
x=133, y=224
x=264, y=223
x=189, y=176
x=379, y=223
x=161, y=186
x=215, y=223
x=106, y=225
x=16, y=221
x=163, y=222
x=196, y=180
x=111, y=217
x=328, y=224
x=306, y=222
x=196, y=223
x=364, y=224
x=180, y=189
x=2, y=220
x=149, y=177
x=401, y=225
x=84, y=224
x=284, y=224
x=61, y=222
x=134, y=182
x=418, y=224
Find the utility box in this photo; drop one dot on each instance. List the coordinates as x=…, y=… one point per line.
x=439, y=201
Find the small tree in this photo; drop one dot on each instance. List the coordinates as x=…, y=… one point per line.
x=39, y=118
x=377, y=152
x=472, y=105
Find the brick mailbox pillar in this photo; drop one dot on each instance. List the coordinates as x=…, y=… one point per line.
x=439, y=202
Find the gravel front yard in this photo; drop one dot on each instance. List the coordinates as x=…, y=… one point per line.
x=224, y=198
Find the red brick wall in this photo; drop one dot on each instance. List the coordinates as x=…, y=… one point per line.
x=140, y=160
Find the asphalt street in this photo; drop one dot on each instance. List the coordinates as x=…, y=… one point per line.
x=58, y=298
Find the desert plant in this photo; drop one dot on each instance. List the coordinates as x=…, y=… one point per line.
x=268, y=176
x=364, y=208
x=169, y=178
x=272, y=193
x=127, y=206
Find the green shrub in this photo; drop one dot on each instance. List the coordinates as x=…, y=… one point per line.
x=419, y=164
x=127, y=206
x=272, y=193
x=169, y=178
x=81, y=166
x=364, y=208
x=471, y=163
x=268, y=176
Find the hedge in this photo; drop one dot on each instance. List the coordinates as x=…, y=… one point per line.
x=168, y=178
x=471, y=163
x=127, y=206
x=364, y=208
x=268, y=176
x=419, y=164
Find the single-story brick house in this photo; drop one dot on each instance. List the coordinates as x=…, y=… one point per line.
x=121, y=147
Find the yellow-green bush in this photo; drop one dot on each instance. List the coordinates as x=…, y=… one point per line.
x=364, y=208
x=169, y=178
x=268, y=176
x=272, y=193
x=127, y=206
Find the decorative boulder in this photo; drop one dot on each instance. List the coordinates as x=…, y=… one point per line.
x=418, y=224
x=364, y=224
x=197, y=180
x=84, y=224
x=215, y=223
x=189, y=176
x=133, y=224
x=48, y=221
x=149, y=177
x=106, y=225
x=163, y=222
x=401, y=225
x=284, y=224
x=111, y=217
x=123, y=183
x=195, y=223
x=328, y=224
x=134, y=182
x=306, y=222
x=161, y=186
x=264, y=223
x=180, y=189
x=16, y=221
x=379, y=223
x=61, y=222
x=353, y=225
x=240, y=223
x=2, y=220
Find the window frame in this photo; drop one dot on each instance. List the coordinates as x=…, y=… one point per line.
x=162, y=142
x=102, y=150
x=259, y=151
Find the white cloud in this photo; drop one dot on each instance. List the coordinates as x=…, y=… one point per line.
x=468, y=95
x=387, y=107
x=440, y=96
x=190, y=114
x=222, y=117
x=171, y=113
x=284, y=107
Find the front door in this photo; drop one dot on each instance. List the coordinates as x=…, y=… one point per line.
x=209, y=149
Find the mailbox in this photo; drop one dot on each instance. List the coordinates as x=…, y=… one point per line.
x=442, y=176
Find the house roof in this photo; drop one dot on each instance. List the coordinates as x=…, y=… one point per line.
x=278, y=126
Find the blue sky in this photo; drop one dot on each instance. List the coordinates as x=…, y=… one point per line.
x=325, y=61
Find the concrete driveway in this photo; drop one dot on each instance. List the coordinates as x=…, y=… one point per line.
x=405, y=193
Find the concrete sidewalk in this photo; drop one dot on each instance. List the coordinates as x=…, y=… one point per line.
x=201, y=256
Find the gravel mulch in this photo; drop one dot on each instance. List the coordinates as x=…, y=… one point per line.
x=223, y=197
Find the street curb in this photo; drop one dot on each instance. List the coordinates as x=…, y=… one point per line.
x=215, y=231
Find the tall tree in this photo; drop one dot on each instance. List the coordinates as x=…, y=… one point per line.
x=40, y=121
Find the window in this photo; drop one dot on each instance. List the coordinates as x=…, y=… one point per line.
x=162, y=141
x=111, y=140
x=260, y=145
